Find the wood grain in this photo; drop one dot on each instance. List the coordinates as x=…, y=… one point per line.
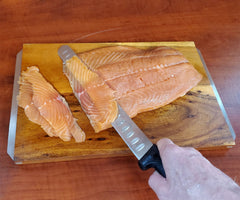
x=213, y=25
x=194, y=120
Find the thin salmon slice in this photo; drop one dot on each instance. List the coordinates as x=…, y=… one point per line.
x=139, y=80
x=43, y=105
x=110, y=55
x=95, y=96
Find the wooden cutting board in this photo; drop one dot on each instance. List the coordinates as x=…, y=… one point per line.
x=197, y=119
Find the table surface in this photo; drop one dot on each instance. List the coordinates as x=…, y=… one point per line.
x=213, y=25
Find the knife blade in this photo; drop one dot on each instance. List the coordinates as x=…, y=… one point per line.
x=145, y=151
x=66, y=53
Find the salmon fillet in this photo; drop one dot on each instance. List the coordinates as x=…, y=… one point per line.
x=43, y=105
x=139, y=80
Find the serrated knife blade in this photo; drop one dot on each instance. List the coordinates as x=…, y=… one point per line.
x=132, y=135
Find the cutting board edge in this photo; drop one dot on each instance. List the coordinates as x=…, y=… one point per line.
x=125, y=153
x=136, y=44
x=220, y=103
x=14, y=108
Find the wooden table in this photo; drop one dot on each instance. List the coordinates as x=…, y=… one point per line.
x=213, y=25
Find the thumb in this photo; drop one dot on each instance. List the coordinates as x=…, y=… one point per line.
x=158, y=183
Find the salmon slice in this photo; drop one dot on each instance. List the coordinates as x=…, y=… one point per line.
x=95, y=96
x=139, y=80
x=43, y=105
x=106, y=55
x=113, y=54
x=159, y=92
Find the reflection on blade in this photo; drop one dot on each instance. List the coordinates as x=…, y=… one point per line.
x=131, y=134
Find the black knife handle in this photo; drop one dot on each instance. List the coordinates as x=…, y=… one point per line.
x=152, y=159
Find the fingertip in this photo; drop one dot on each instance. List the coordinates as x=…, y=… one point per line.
x=151, y=179
x=156, y=180
x=158, y=183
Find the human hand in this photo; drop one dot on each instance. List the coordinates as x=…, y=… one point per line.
x=190, y=176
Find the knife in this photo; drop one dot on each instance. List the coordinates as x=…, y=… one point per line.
x=145, y=151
